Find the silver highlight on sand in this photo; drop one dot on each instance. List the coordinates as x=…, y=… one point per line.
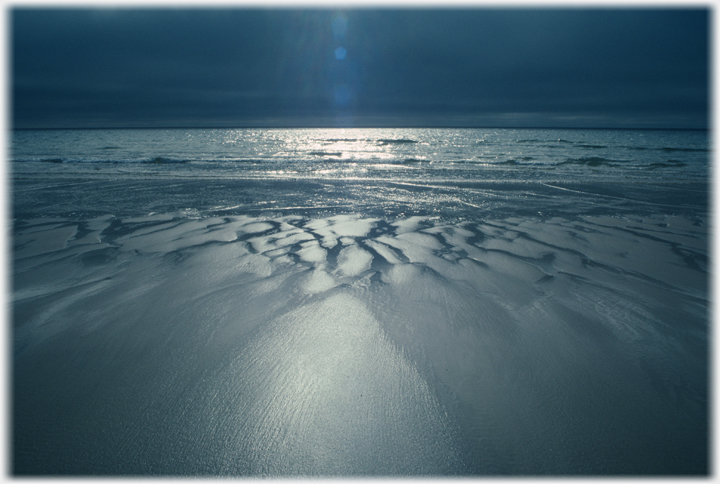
x=348, y=345
x=295, y=315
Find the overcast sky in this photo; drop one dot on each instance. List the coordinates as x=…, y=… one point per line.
x=473, y=66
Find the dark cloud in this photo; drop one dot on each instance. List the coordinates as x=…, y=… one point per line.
x=234, y=67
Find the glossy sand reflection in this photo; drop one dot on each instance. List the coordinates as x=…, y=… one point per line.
x=322, y=390
x=360, y=346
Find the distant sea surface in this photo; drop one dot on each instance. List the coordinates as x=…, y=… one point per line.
x=448, y=172
x=359, y=302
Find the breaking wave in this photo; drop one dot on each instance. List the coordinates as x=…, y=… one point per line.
x=383, y=142
x=162, y=160
x=592, y=161
x=325, y=153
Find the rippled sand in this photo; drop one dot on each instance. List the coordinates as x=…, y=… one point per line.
x=347, y=345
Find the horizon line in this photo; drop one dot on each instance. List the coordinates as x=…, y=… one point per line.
x=624, y=128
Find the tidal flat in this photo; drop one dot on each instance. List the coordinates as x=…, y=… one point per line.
x=347, y=345
x=360, y=302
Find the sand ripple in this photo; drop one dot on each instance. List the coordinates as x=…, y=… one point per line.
x=349, y=345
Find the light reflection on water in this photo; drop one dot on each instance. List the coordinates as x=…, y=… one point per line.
x=450, y=154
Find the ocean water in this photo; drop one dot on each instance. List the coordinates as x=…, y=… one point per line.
x=370, y=302
x=371, y=171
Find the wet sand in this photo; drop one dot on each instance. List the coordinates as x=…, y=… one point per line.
x=350, y=345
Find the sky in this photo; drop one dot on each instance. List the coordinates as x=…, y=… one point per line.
x=469, y=66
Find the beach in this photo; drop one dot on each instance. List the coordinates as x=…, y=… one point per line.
x=359, y=314
x=348, y=345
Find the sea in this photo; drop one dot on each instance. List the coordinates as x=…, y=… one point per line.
x=359, y=302
x=448, y=172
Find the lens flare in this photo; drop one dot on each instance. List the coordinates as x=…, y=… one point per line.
x=339, y=26
x=340, y=53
